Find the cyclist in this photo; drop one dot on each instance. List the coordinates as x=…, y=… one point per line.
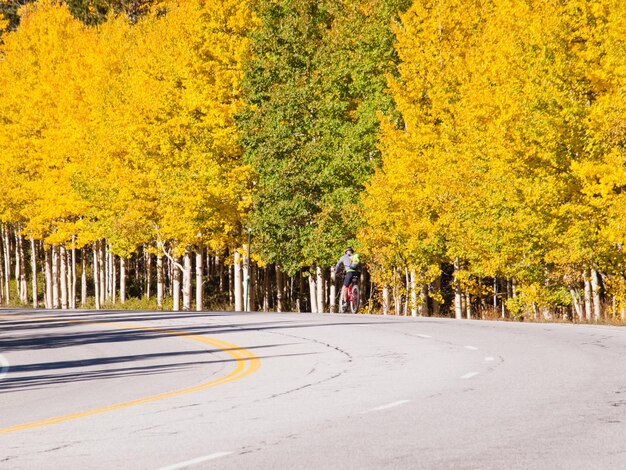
x=350, y=262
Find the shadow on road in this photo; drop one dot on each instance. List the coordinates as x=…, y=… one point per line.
x=40, y=330
x=37, y=381
x=23, y=333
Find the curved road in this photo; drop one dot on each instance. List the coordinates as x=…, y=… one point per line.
x=160, y=390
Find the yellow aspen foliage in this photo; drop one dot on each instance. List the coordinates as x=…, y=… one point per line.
x=125, y=131
x=510, y=154
x=427, y=162
x=44, y=134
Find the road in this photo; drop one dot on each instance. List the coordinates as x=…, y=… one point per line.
x=163, y=390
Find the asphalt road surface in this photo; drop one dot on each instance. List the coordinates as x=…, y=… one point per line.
x=162, y=390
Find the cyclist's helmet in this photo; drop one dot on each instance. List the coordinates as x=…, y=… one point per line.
x=349, y=249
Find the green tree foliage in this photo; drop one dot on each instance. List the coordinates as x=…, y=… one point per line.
x=315, y=87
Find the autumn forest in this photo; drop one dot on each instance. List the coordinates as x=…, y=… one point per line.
x=221, y=154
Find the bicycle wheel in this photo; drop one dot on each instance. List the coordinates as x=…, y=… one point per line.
x=356, y=299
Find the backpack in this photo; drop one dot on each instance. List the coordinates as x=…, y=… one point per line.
x=355, y=262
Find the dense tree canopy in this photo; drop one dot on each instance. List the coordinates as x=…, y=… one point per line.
x=315, y=87
x=474, y=149
x=501, y=165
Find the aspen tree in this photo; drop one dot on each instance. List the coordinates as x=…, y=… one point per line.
x=175, y=284
x=49, y=300
x=33, y=270
x=55, y=276
x=7, y=265
x=187, y=280
x=312, y=294
x=2, y=291
x=96, y=275
x=237, y=279
x=160, y=281
x=63, y=276
x=123, y=281
x=83, y=277
x=320, y=290
x=18, y=265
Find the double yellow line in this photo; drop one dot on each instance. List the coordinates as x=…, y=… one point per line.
x=246, y=363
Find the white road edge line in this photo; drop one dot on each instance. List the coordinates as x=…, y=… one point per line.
x=389, y=405
x=423, y=336
x=469, y=375
x=188, y=463
x=471, y=348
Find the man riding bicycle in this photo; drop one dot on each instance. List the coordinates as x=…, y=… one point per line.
x=351, y=263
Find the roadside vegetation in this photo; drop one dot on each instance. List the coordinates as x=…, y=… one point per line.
x=474, y=152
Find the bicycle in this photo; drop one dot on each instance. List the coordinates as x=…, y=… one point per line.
x=354, y=297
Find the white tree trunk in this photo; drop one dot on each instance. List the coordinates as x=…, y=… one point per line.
x=595, y=290
x=495, y=293
x=68, y=275
x=386, y=299
x=313, y=292
x=220, y=272
x=113, y=275
x=107, y=273
x=397, y=301
x=280, y=290
x=48, y=276
x=83, y=277
x=7, y=264
x=96, y=275
x=23, y=280
x=176, y=286
x=2, y=291
x=33, y=269
x=199, y=279
x=333, y=291
x=148, y=259
x=458, y=301
x=55, y=277
x=73, y=291
x=18, y=272
x=187, y=291
x=245, y=282
x=576, y=303
x=238, y=287
x=160, y=286
x=123, y=280
x=170, y=273
x=63, y=276
x=266, y=289
x=231, y=286
x=588, y=303
x=252, y=294
x=102, y=267
x=113, y=279
x=413, y=293
x=320, y=290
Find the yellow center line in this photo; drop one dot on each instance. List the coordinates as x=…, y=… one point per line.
x=246, y=363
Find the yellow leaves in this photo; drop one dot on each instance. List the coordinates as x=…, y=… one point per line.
x=125, y=128
x=4, y=23
x=511, y=152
